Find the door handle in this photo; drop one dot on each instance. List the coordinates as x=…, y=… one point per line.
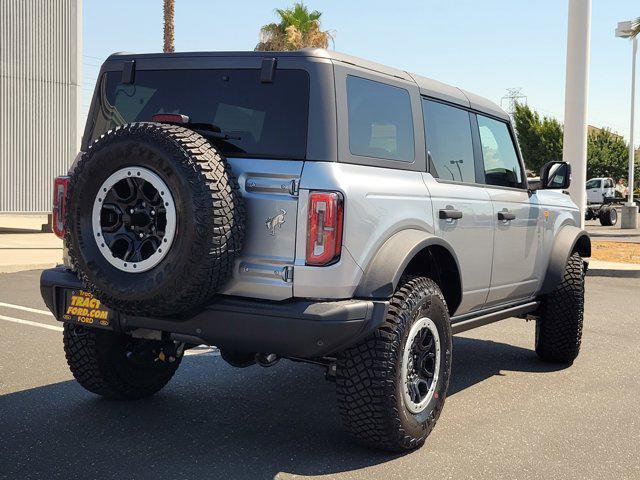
x=506, y=215
x=449, y=214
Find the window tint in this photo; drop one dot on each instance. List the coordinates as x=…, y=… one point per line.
x=449, y=146
x=380, y=121
x=262, y=119
x=501, y=164
x=593, y=184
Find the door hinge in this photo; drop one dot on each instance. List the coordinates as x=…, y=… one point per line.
x=294, y=188
x=287, y=273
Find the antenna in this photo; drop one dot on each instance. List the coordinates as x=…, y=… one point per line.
x=509, y=101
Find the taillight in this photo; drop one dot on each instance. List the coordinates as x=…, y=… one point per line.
x=60, y=185
x=324, y=228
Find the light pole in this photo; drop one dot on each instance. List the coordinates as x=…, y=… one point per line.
x=630, y=210
x=574, y=150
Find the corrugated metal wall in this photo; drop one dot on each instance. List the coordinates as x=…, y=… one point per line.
x=40, y=72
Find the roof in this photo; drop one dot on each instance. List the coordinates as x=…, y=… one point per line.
x=427, y=86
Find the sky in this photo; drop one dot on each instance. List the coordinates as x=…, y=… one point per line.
x=482, y=46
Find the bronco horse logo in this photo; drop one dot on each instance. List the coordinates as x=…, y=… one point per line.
x=275, y=222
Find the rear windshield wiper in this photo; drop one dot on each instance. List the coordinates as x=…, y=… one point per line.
x=210, y=129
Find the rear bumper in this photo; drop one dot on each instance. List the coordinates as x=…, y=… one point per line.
x=295, y=328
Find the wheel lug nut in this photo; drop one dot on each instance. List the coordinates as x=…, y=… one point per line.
x=153, y=212
x=131, y=210
x=141, y=235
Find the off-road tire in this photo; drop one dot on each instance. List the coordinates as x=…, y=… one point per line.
x=368, y=375
x=608, y=217
x=559, y=324
x=95, y=359
x=209, y=226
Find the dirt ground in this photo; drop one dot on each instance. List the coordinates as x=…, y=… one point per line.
x=616, y=252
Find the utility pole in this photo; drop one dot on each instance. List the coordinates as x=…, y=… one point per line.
x=168, y=26
x=511, y=99
x=630, y=210
x=574, y=150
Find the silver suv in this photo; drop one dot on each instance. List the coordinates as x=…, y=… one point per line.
x=312, y=206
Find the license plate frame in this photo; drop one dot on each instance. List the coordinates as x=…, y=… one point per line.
x=82, y=308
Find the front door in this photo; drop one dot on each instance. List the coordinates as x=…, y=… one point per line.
x=594, y=191
x=518, y=235
x=517, y=216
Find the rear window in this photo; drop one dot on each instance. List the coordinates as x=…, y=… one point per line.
x=380, y=122
x=262, y=119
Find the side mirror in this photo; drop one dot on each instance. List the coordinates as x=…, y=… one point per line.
x=555, y=175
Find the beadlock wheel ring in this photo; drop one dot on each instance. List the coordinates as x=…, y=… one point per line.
x=420, y=368
x=134, y=219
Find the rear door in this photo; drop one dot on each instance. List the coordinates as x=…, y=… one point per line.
x=516, y=215
x=609, y=188
x=462, y=206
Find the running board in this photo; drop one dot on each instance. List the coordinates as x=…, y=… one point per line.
x=464, y=323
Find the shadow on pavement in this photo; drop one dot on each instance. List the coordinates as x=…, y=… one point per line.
x=212, y=421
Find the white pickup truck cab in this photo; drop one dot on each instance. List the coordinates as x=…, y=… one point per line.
x=598, y=188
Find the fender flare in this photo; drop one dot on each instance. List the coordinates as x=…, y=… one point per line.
x=569, y=239
x=382, y=275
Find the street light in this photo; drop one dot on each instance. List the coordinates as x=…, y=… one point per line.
x=629, y=214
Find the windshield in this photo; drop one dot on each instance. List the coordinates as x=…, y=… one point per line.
x=261, y=119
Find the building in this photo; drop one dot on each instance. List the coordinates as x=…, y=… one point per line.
x=40, y=95
x=591, y=129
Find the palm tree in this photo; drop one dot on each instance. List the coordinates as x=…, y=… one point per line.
x=168, y=26
x=298, y=28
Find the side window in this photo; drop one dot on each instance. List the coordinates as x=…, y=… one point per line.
x=593, y=184
x=449, y=146
x=501, y=164
x=608, y=183
x=380, y=120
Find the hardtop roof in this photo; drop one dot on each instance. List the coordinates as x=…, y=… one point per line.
x=427, y=86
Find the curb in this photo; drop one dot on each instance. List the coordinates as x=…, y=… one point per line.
x=24, y=267
x=607, y=272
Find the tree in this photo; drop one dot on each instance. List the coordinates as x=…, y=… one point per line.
x=298, y=28
x=168, y=26
x=607, y=155
x=540, y=139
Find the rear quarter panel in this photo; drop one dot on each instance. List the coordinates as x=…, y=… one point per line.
x=379, y=202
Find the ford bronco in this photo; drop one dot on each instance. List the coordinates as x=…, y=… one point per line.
x=309, y=206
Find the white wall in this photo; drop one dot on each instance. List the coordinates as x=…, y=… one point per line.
x=40, y=94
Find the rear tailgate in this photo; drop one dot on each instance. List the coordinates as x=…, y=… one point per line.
x=265, y=268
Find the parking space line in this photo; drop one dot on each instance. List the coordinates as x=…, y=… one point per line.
x=26, y=309
x=33, y=324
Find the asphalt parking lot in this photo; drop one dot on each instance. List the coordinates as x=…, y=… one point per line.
x=507, y=416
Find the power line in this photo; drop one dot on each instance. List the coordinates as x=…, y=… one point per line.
x=511, y=99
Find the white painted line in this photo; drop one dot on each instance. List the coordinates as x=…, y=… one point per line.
x=26, y=309
x=33, y=324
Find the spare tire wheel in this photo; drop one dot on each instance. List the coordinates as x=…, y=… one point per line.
x=155, y=219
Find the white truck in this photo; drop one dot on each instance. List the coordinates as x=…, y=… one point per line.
x=601, y=201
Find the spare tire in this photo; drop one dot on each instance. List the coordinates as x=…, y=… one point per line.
x=155, y=219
